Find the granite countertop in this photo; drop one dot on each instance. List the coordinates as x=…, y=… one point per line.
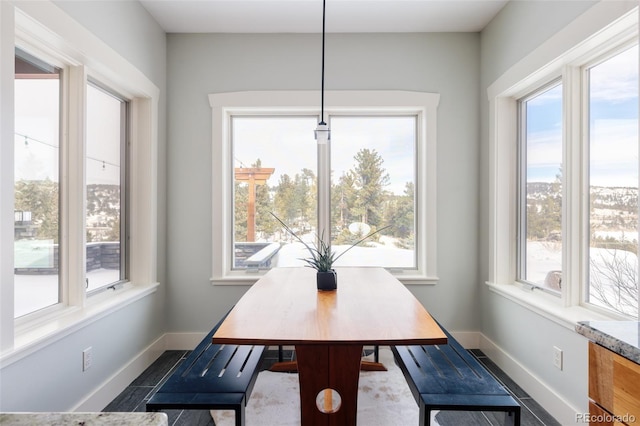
x=84, y=419
x=621, y=337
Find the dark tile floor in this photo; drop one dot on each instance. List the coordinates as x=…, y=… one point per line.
x=135, y=396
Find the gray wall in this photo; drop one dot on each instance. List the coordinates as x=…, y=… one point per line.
x=518, y=29
x=206, y=63
x=523, y=334
x=51, y=379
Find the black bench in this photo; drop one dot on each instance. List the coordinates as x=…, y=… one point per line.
x=447, y=377
x=212, y=377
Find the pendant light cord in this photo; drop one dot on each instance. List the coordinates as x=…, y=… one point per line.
x=322, y=83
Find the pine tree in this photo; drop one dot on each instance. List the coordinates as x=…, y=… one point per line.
x=370, y=180
x=41, y=198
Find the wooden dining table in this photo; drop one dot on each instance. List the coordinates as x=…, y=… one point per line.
x=329, y=330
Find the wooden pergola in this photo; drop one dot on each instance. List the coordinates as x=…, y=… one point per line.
x=253, y=176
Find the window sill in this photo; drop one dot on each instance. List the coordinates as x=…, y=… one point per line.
x=250, y=278
x=47, y=329
x=548, y=306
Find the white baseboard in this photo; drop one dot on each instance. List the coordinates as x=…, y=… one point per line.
x=114, y=385
x=551, y=401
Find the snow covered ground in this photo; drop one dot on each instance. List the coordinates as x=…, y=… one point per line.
x=543, y=257
x=34, y=292
x=613, y=274
x=380, y=255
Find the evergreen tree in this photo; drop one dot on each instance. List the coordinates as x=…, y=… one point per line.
x=399, y=213
x=295, y=200
x=544, y=212
x=284, y=199
x=370, y=180
x=241, y=198
x=343, y=200
x=306, y=190
x=40, y=197
x=264, y=221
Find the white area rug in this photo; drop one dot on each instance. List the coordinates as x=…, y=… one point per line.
x=384, y=399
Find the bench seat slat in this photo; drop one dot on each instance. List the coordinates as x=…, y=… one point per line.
x=457, y=356
x=212, y=382
x=201, y=359
x=242, y=360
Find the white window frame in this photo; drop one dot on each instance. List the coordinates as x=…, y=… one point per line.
x=124, y=131
x=225, y=105
x=604, y=27
x=521, y=243
x=43, y=28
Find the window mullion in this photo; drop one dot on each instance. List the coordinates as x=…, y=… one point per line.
x=141, y=233
x=521, y=208
x=72, y=252
x=7, y=118
x=582, y=186
x=573, y=253
x=503, y=192
x=124, y=191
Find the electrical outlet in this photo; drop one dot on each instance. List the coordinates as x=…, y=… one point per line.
x=557, y=357
x=87, y=359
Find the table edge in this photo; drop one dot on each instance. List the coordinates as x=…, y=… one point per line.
x=287, y=342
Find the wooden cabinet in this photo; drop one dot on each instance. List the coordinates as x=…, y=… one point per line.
x=614, y=388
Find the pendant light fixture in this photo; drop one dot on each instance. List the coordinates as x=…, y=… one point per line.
x=323, y=134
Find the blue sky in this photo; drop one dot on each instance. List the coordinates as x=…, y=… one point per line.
x=613, y=126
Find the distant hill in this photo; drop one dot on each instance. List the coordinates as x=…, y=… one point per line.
x=618, y=198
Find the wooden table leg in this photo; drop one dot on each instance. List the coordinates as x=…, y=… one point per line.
x=329, y=367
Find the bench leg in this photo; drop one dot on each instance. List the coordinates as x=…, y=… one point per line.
x=516, y=417
x=425, y=415
x=239, y=415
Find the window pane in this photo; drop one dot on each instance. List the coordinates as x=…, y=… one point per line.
x=613, y=183
x=104, y=147
x=540, y=248
x=36, y=169
x=373, y=163
x=274, y=171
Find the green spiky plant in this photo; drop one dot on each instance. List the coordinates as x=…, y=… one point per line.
x=322, y=257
